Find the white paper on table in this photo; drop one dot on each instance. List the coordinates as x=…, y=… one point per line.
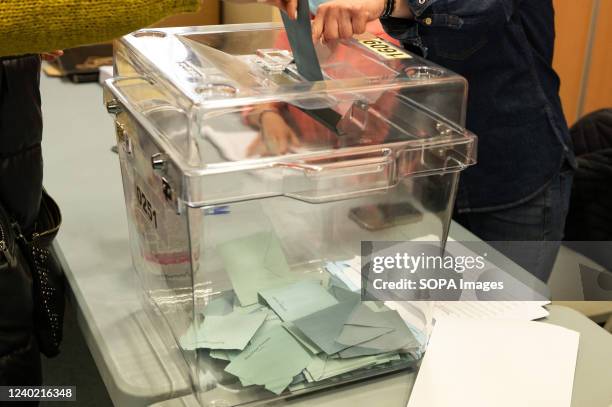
x=483, y=363
x=519, y=310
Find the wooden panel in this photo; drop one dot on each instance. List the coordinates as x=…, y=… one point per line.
x=572, y=27
x=599, y=91
x=208, y=14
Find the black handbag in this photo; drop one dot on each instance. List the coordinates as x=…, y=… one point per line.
x=48, y=279
x=19, y=353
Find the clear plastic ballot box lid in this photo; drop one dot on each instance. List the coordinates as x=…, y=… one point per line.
x=249, y=191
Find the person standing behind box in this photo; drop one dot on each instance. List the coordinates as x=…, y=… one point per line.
x=519, y=191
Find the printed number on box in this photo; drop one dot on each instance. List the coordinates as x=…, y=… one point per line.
x=388, y=51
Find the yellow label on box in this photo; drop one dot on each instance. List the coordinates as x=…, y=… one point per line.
x=385, y=49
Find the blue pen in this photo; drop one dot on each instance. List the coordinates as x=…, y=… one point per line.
x=217, y=210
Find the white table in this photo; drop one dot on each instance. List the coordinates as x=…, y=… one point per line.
x=83, y=175
x=591, y=383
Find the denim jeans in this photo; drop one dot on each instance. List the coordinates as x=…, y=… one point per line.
x=528, y=233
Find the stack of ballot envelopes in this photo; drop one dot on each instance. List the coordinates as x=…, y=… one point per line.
x=280, y=329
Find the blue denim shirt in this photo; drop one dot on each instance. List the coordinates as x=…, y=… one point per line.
x=505, y=49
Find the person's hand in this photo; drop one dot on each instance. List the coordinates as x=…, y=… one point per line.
x=51, y=56
x=288, y=6
x=341, y=19
x=276, y=136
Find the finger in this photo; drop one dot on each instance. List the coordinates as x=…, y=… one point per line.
x=318, y=23
x=270, y=146
x=291, y=7
x=360, y=22
x=282, y=143
x=293, y=138
x=330, y=31
x=332, y=46
x=288, y=6
x=254, y=147
x=345, y=27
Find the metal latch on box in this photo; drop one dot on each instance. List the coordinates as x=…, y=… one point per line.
x=159, y=163
x=123, y=138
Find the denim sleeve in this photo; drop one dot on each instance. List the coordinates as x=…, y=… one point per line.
x=465, y=15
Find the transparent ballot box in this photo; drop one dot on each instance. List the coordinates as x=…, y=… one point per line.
x=249, y=191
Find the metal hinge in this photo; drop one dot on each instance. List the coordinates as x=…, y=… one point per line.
x=113, y=107
x=123, y=138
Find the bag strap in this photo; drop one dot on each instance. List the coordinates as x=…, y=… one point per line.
x=47, y=224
